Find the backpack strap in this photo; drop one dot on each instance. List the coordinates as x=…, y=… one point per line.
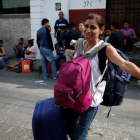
x=80, y=46
x=92, y=53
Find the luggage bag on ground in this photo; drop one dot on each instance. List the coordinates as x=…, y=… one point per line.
x=47, y=122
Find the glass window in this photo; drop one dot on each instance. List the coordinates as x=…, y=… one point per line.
x=14, y=6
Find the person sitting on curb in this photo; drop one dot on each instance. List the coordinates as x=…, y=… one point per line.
x=117, y=38
x=3, y=55
x=129, y=34
x=30, y=54
x=60, y=54
x=20, y=48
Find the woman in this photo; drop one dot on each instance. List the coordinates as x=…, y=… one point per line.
x=77, y=124
x=30, y=54
x=81, y=28
x=3, y=55
x=117, y=38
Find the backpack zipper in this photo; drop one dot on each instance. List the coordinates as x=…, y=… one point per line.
x=71, y=98
x=79, y=93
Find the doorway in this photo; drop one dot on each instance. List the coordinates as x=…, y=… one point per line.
x=119, y=10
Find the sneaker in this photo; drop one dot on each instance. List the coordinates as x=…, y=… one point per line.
x=4, y=69
x=54, y=78
x=45, y=77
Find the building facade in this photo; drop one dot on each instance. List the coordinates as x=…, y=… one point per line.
x=74, y=11
x=22, y=18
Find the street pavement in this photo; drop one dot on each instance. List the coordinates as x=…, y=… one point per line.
x=20, y=91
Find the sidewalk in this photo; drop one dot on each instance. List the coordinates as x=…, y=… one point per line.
x=20, y=91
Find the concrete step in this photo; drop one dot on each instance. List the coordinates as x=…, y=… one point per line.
x=134, y=57
x=35, y=66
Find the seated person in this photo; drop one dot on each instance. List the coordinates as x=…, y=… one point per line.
x=3, y=55
x=129, y=34
x=60, y=51
x=117, y=38
x=20, y=48
x=107, y=33
x=30, y=54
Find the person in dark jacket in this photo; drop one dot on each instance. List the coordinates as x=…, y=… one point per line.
x=61, y=26
x=45, y=45
x=117, y=38
x=68, y=37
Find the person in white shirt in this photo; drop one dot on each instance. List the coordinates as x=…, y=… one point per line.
x=30, y=54
x=78, y=124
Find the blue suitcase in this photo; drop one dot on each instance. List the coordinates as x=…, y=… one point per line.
x=47, y=122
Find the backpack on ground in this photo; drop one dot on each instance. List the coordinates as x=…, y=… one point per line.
x=72, y=89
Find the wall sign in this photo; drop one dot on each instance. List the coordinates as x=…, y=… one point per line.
x=87, y=3
x=58, y=6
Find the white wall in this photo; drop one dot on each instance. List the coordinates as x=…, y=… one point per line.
x=37, y=11
x=46, y=9
x=87, y=4
x=52, y=14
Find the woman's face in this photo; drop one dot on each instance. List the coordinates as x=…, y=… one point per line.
x=81, y=27
x=92, y=30
x=29, y=45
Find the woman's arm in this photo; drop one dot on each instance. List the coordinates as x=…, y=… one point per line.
x=126, y=66
x=3, y=52
x=27, y=52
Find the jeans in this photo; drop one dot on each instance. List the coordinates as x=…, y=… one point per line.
x=47, y=54
x=130, y=43
x=78, y=124
x=57, y=58
x=3, y=59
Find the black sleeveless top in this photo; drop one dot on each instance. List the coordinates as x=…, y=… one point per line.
x=102, y=59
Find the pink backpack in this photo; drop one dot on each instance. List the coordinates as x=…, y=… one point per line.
x=72, y=89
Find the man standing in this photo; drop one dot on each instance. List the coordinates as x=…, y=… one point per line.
x=68, y=37
x=61, y=25
x=129, y=34
x=45, y=45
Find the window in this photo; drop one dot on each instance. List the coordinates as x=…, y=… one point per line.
x=14, y=6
